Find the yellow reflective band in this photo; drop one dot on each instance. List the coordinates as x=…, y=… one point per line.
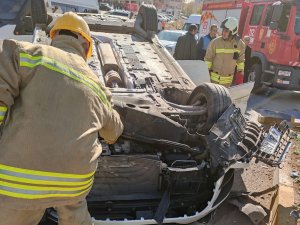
x=215, y=77
x=227, y=51
x=43, y=178
x=3, y=108
x=209, y=64
x=43, y=182
x=221, y=79
x=240, y=66
x=44, y=188
x=43, y=173
x=30, y=61
x=35, y=196
x=226, y=80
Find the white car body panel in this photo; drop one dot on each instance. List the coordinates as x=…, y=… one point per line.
x=7, y=32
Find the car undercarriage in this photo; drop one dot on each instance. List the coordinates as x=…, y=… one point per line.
x=175, y=161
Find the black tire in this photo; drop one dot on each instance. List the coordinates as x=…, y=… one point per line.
x=256, y=69
x=217, y=99
x=149, y=15
x=39, y=13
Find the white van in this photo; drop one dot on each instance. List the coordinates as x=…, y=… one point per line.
x=87, y=6
x=193, y=19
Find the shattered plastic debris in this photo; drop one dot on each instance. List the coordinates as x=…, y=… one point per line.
x=294, y=174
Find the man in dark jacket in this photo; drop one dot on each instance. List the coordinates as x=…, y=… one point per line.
x=204, y=42
x=186, y=45
x=247, y=59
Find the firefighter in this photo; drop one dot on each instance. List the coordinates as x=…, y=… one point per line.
x=52, y=110
x=225, y=54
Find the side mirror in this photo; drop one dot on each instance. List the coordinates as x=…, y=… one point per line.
x=273, y=25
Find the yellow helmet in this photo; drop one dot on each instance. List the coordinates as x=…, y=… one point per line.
x=73, y=22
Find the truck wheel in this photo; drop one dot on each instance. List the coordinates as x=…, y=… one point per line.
x=215, y=98
x=149, y=15
x=256, y=75
x=38, y=13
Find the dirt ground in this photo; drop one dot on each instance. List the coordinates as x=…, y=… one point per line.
x=295, y=164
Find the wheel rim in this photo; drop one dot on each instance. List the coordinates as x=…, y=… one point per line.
x=251, y=76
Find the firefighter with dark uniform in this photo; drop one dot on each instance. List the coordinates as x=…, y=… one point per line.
x=226, y=54
x=52, y=110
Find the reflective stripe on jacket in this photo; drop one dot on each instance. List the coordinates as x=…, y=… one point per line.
x=3, y=110
x=57, y=108
x=223, y=80
x=33, y=184
x=220, y=56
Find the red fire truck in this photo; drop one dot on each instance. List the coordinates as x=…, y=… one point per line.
x=214, y=12
x=274, y=30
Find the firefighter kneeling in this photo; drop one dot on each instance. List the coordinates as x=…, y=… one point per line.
x=226, y=53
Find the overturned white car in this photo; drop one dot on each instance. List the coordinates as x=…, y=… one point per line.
x=174, y=163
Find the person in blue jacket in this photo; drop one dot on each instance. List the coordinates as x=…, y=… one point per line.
x=205, y=40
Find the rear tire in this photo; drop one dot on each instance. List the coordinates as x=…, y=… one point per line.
x=256, y=74
x=39, y=13
x=217, y=100
x=149, y=15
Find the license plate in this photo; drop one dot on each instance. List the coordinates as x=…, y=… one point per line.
x=284, y=73
x=279, y=81
x=271, y=141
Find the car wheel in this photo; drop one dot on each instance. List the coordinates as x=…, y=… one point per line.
x=149, y=15
x=215, y=98
x=256, y=75
x=251, y=76
x=38, y=12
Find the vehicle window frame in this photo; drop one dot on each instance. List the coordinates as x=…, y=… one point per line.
x=287, y=19
x=268, y=15
x=297, y=24
x=257, y=13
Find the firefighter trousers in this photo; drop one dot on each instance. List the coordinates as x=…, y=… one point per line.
x=226, y=81
x=76, y=214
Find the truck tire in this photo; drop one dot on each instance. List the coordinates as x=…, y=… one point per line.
x=256, y=71
x=149, y=15
x=39, y=13
x=217, y=100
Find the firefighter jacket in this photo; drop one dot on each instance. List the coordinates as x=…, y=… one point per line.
x=185, y=48
x=56, y=109
x=223, y=56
